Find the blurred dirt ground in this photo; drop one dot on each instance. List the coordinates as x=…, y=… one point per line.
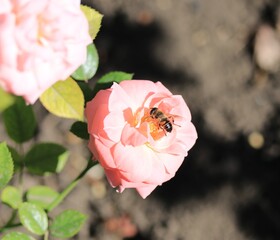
x=228, y=187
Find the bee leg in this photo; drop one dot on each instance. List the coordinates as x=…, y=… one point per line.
x=172, y=120
x=162, y=128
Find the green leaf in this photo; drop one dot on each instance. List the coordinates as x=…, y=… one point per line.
x=16, y=158
x=6, y=165
x=64, y=99
x=6, y=100
x=46, y=158
x=11, y=196
x=87, y=70
x=87, y=91
x=80, y=130
x=33, y=217
x=67, y=224
x=115, y=76
x=19, y=121
x=41, y=195
x=94, y=20
x=107, y=80
x=17, y=236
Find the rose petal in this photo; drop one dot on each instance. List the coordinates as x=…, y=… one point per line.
x=101, y=98
x=102, y=153
x=114, y=123
x=133, y=136
x=155, y=99
x=146, y=191
x=96, y=123
x=161, y=88
x=119, y=99
x=187, y=136
x=138, y=91
x=127, y=161
x=176, y=106
x=139, y=164
x=171, y=162
x=113, y=177
x=5, y=6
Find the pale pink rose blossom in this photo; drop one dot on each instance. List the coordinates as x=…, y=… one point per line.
x=135, y=151
x=41, y=42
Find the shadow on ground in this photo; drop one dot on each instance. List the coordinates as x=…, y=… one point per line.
x=214, y=162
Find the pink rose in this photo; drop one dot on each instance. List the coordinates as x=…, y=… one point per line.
x=126, y=137
x=41, y=42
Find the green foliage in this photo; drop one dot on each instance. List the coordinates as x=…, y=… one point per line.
x=87, y=91
x=87, y=70
x=67, y=224
x=6, y=100
x=64, y=99
x=107, y=80
x=94, y=20
x=6, y=165
x=80, y=130
x=33, y=217
x=45, y=158
x=41, y=195
x=17, y=236
x=16, y=158
x=11, y=196
x=19, y=121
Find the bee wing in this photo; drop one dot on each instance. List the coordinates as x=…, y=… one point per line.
x=174, y=117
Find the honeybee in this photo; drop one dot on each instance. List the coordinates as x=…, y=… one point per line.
x=164, y=122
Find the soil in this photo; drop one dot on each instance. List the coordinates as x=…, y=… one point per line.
x=204, y=50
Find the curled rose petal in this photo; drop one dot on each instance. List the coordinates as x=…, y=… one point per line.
x=139, y=148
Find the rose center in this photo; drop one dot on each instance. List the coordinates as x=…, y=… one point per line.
x=156, y=129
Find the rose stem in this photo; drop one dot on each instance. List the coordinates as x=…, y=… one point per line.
x=70, y=187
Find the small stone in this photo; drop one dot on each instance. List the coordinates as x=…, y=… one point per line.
x=267, y=49
x=256, y=140
x=98, y=189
